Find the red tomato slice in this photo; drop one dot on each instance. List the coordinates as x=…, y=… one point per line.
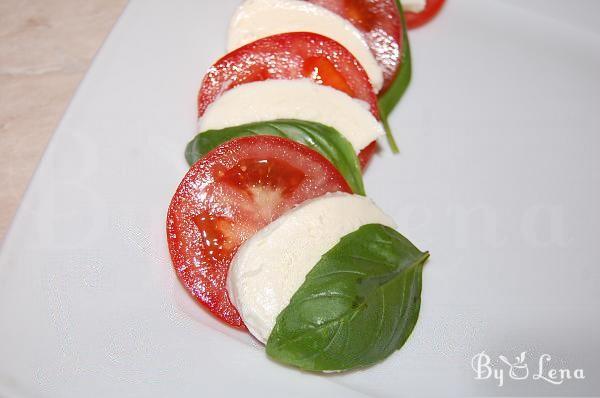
x=364, y=157
x=416, y=19
x=289, y=56
x=227, y=196
x=381, y=25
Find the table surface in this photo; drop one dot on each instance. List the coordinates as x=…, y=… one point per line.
x=498, y=179
x=45, y=50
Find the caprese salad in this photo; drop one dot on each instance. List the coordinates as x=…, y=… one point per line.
x=271, y=229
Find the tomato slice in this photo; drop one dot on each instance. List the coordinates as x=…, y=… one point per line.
x=380, y=23
x=416, y=19
x=289, y=56
x=364, y=157
x=227, y=196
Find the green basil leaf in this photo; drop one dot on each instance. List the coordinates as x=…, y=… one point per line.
x=392, y=95
x=323, y=139
x=357, y=305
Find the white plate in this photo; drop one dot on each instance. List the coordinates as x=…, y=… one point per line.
x=498, y=177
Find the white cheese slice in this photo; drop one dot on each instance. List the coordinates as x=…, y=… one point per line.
x=270, y=267
x=413, y=5
x=255, y=19
x=294, y=99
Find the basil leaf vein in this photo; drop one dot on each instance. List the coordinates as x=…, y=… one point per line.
x=323, y=139
x=357, y=305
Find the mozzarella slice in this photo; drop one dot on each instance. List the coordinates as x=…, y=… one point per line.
x=256, y=19
x=413, y=5
x=270, y=267
x=294, y=99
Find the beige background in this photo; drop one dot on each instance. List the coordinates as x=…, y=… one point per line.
x=46, y=47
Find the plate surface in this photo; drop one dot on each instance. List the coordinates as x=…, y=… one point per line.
x=498, y=176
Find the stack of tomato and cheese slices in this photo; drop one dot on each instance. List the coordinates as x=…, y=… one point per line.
x=271, y=229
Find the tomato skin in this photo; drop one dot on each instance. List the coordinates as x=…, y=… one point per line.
x=296, y=55
x=414, y=20
x=380, y=23
x=365, y=156
x=226, y=197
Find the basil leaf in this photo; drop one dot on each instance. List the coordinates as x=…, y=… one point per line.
x=323, y=139
x=392, y=95
x=357, y=305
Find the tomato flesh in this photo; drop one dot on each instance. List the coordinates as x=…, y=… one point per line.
x=227, y=196
x=365, y=156
x=322, y=70
x=416, y=19
x=294, y=55
x=380, y=23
